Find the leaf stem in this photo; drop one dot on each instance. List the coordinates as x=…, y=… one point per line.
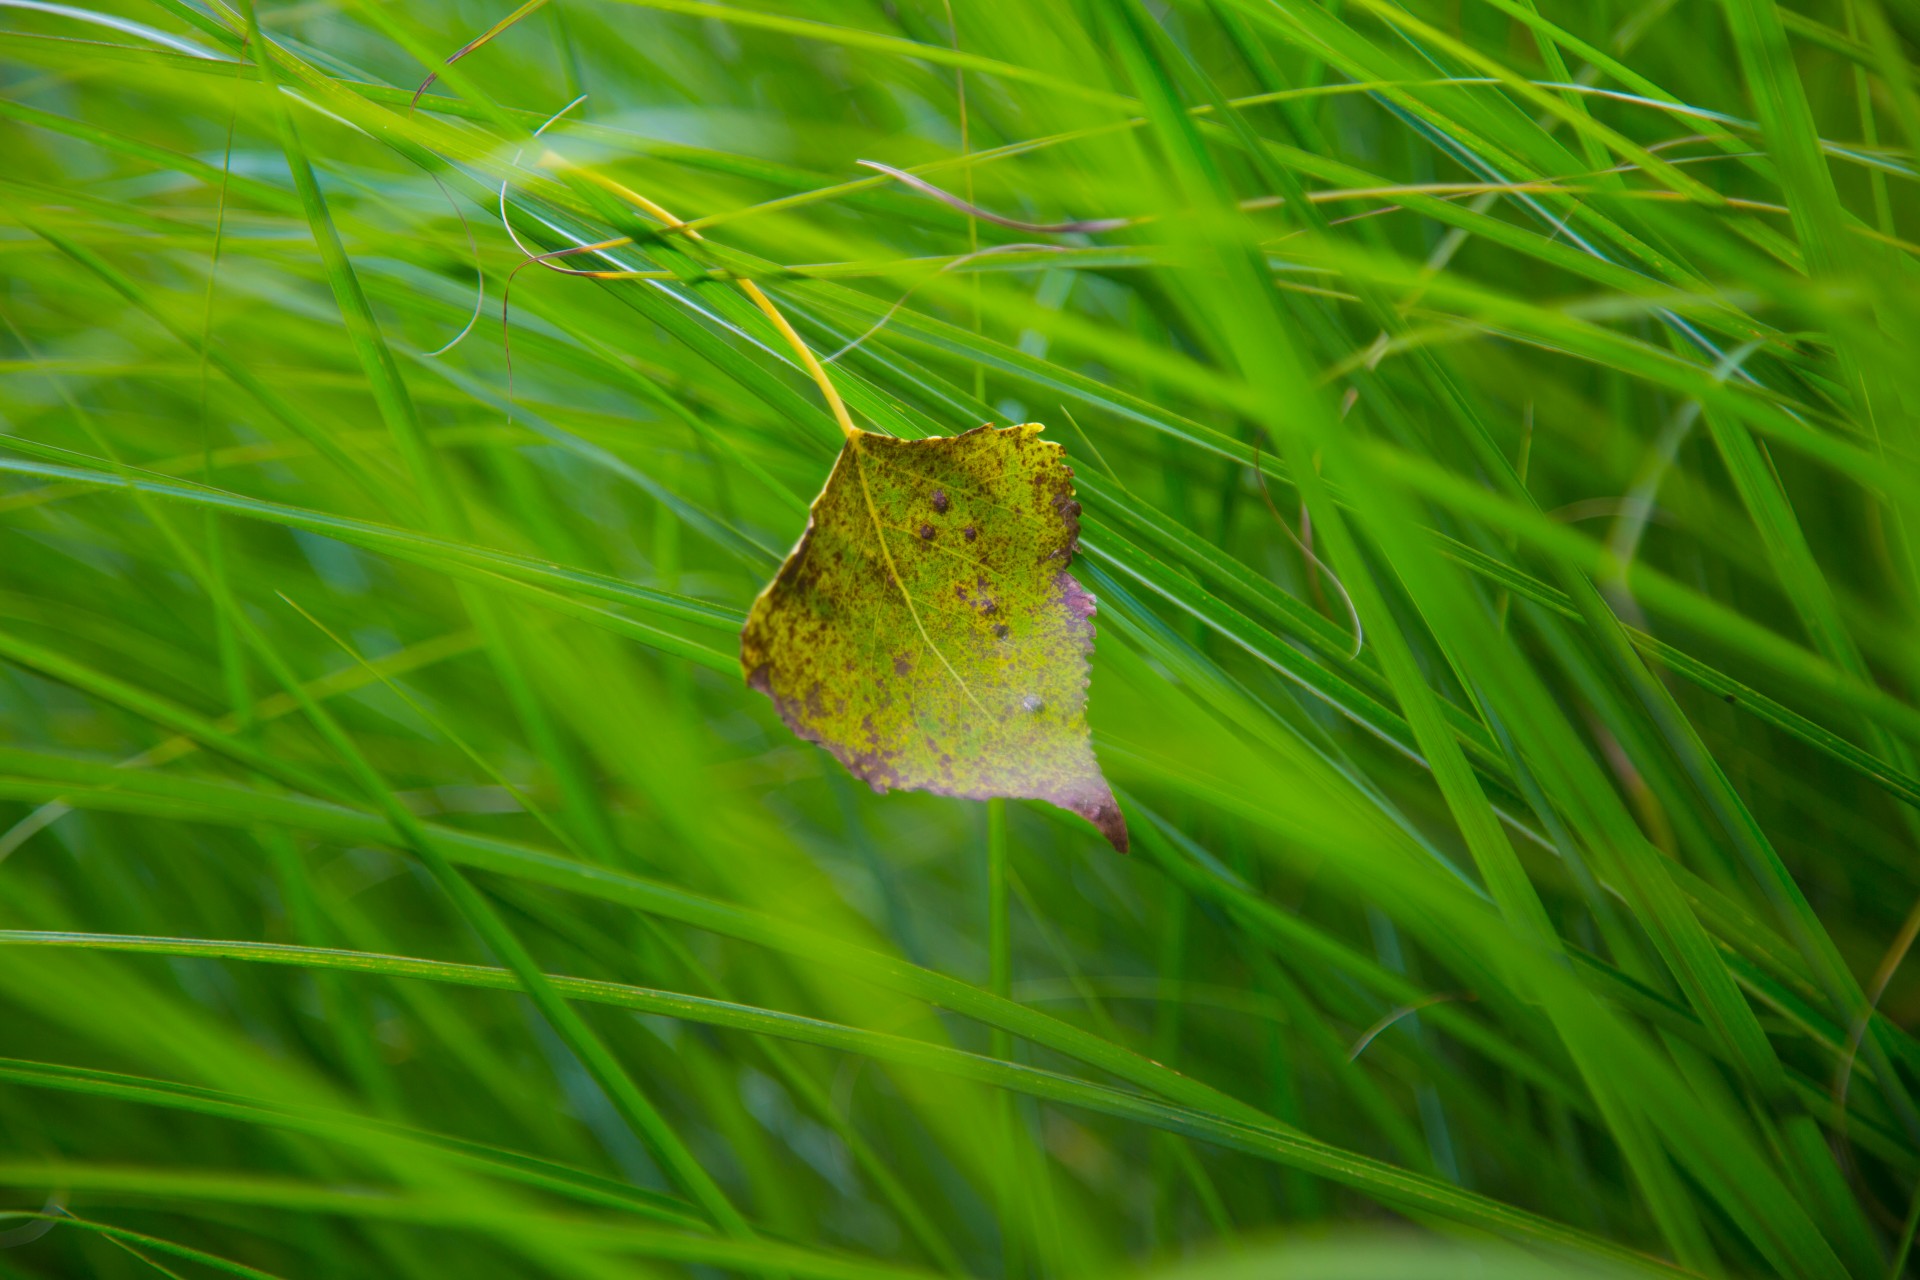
x=808, y=360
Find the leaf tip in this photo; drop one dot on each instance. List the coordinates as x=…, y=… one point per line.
x=1104, y=813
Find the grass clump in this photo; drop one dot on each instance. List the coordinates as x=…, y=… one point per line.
x=1495, y=431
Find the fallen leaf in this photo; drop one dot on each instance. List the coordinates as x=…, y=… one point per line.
x=926, y=630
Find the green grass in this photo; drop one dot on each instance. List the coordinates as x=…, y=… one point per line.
x=397, y=878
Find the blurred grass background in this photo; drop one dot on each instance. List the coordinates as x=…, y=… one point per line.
x=1496, y=429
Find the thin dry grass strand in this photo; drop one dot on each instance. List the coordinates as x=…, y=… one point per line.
x=126, y=26
x=1307, y=552
x=960, y=261
x=38, y=1225
x=32, y=825
x=1091, y=226
x=1373, y=1032
x=473, y=44
x=506, y=222
x=1623, y=539
x=479, y=271
x=1092, y=448
x=1890, y=963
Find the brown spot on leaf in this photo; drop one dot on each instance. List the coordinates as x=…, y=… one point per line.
x=940, y=501
x=969, y=533
x=926, y=533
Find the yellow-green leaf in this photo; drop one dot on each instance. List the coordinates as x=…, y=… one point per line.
x=926, y=630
